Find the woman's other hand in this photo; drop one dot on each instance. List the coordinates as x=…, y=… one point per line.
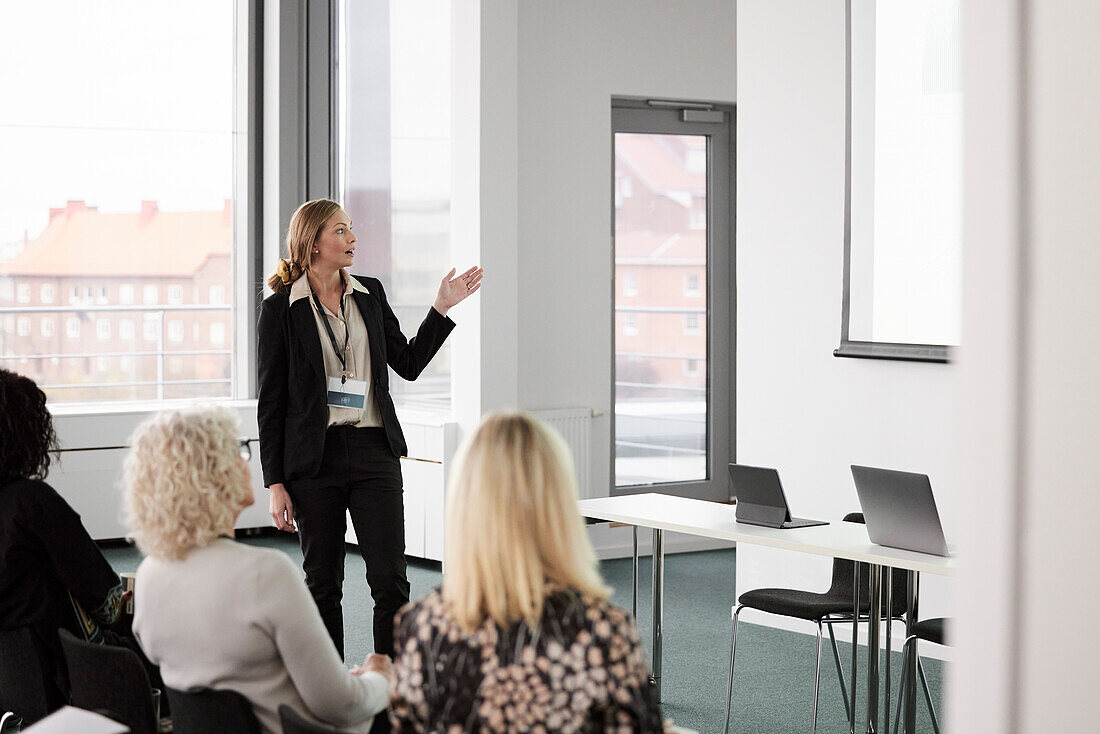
x=281, y=508
x=453, y=289
x=377, y=664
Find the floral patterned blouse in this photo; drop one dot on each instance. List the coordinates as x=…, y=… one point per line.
x=582, y=670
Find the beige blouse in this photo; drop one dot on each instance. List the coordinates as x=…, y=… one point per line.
x=358, y=353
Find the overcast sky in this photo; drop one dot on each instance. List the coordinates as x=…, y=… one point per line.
x=113, y=102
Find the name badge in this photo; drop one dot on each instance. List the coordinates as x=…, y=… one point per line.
x=349, y=394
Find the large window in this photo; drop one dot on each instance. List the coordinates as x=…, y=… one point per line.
x=673, y=312
x=119, y=128
x=394, y=161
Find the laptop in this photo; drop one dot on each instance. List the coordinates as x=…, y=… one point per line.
x=900, y=510
x=760, y=499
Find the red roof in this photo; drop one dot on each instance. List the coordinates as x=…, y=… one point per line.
x=661, y=247
x=660, y=161
x=79, y=240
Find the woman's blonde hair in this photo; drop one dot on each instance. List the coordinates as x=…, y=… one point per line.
x=184, y=481
x=513, y=526
x=301, y=234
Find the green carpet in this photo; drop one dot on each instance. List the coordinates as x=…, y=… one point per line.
x=774, y=682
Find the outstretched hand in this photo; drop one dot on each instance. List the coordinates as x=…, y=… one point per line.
x=453, y=289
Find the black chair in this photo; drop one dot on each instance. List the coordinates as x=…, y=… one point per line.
x=293, y=723
x=207, y=710
x=109, y=680
x=930, y=630
x=26, y=689
x=829, y=608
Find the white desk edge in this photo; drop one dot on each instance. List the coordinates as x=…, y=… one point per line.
x=713, y=520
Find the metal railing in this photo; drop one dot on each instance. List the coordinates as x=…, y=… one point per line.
x=159, y=352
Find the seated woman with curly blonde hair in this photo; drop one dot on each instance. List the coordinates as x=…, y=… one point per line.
x=214, y=613
x=521, y=637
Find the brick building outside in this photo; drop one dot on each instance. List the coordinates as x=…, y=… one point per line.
x=127, y=306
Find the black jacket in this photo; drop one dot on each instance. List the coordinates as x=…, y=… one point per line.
x=292, y=411
x=46, y=558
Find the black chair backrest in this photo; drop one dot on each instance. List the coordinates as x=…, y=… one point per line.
x=207, y=710
x=293, y=723
x=25, y=688
x=844, y=579
x=109, y=679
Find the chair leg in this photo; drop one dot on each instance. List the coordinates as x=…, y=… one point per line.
x=905, y=649
x=928, y=695
x=729, y=687
x=840, y=673
x=817, y=681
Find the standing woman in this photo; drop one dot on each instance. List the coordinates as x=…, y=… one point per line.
x=329, y=438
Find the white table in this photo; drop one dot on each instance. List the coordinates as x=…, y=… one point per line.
x=843, y=540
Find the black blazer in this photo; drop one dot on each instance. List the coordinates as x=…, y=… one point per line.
x=292, y=410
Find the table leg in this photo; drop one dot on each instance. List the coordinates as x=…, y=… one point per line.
x=887, y=580
x=911, y=594
x=658, y=603
x=634, y=595
x=855, y=648
x=874, y=620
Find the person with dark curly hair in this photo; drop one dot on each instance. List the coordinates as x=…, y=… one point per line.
x=52, y=574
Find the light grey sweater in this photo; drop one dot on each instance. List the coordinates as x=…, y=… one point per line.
x=232, y=616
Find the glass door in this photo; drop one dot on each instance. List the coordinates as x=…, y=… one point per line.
x=673, y=300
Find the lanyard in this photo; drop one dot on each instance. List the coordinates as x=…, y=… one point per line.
x=340, y=353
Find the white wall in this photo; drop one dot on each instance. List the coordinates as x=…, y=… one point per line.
x=1027, y=661
x=799, y=408
x=574, y=56
x=989, y=362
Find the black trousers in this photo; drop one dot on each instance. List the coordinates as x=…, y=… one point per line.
x=359, y=474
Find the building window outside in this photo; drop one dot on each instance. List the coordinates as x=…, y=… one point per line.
x=47, y=326
x=126, y=294
x=691, y=368
x=74, y=294
x=102, y=364
x=217, y=294
x=126, y=330
x=175, y=365
x=217, y=333
x=149, y=295
x=72, y=327
x=103, y=329
x=691, y=286
x=23, y=326
x=175, y=331
x=630, y=284
x=46, y=293
x=23, y=293
x=151, y=328
x=691, y=323
x=630, y=324
x=175, y=295
x=102, y=299
x=697, y=219
x=126, y=364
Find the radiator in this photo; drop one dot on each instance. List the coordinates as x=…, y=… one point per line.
x=574, y=425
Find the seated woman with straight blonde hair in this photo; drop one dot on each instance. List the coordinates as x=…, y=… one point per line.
x=521, y=637
x=214, y=613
